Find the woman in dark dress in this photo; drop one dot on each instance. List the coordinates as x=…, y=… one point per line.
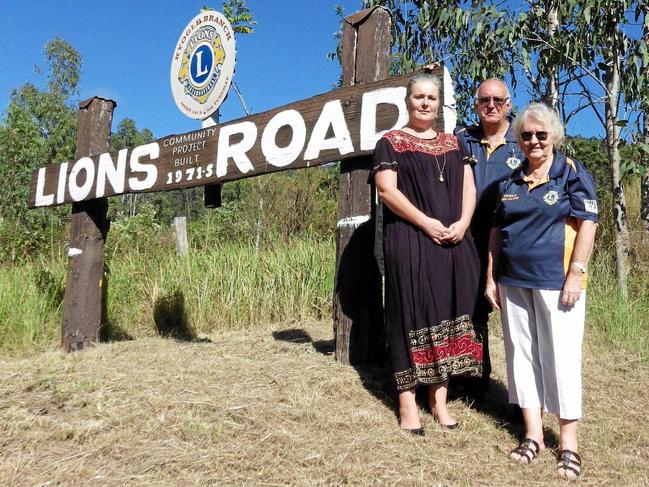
x=431, y=265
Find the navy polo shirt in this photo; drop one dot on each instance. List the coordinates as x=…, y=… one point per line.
x=488, y=170
x=538, y=223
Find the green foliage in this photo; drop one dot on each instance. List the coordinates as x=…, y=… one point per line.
x=238, y=14
x=474, y=38
x=130, y=233
x=39, y=129
x=65, y=67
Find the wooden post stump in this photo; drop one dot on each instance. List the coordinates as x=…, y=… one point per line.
x=84, y=289
x=182, y=245
x=357, y=309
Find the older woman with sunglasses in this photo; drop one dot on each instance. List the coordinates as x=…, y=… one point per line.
x=543, y=234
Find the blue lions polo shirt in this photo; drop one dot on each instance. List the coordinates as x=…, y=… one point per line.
x=538, y=223
x=489, y=168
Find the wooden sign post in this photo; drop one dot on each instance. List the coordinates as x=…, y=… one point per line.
x=342, y=125
x=358, y=309
x=84, y=289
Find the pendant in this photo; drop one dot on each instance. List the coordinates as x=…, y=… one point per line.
x=441, y=178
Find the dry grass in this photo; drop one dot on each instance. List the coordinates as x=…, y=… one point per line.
x=270, y=406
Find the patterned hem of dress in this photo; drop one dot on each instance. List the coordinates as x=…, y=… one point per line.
x=440, y=351
x=409, y=379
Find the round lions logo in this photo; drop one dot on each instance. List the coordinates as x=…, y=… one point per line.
x=513, y=162
x=203, y=65
x=551, y=197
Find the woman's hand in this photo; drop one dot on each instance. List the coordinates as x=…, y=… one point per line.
x=572, y=289
x=456, y=232
x=491, y=293
x=435, y=230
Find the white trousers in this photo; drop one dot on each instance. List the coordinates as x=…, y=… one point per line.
x=543, y=342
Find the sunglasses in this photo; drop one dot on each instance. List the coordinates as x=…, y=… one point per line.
x=540, y=136
x=498, y=101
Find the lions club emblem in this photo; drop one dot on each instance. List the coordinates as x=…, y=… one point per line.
x=203, y=65
x=551, y=197
x=513, y=162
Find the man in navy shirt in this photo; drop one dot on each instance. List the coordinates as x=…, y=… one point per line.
x=491, y=148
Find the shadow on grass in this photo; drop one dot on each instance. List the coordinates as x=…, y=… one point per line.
x=299, y=335
x=495, y=403
x=171, y=320
x=109, y=331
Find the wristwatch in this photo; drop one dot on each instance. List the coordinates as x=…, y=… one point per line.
x=580, y=266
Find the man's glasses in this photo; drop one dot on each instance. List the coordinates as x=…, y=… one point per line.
x=540, y=136
x=483, y=101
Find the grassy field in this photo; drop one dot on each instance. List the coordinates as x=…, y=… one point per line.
x=270, y=406
x=230, y=381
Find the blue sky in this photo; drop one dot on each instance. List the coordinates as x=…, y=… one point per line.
x=127, y=48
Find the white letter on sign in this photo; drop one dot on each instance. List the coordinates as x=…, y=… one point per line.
x=371, y=100
x=60, y=191
x=283, y=156
x=153, y=151
x=331, y=115
x=41, y=199
x=235, y=151
x=80, y=192
x=108, y=170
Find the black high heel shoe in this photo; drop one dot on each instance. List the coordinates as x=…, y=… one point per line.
x=415, y=431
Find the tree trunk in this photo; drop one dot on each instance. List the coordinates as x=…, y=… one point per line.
x=357, y=307
x=620, y=228
x=644, y=182
x=552, y=83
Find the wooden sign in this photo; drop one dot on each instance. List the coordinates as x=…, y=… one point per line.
x=341, y=124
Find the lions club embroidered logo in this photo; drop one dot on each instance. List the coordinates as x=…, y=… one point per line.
x=551, y=197
x=513, y=162
x=203, y=65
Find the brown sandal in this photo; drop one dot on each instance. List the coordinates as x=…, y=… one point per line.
x=528, y=449
x=568, y=461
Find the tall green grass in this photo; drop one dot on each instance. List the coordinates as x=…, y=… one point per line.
x=626, y=323
x=31, y=294
x=230, y=285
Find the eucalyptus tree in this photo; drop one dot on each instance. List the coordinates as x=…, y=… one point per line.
x=474, y=38
x=642, y=11
x=592, y=48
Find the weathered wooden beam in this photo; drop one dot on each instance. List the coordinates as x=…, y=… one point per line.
x=358, y=311
x=338, y=125
x=84, y=290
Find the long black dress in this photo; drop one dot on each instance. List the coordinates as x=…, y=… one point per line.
x=430, y=289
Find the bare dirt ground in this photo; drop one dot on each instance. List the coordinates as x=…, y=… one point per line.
x=271, y=406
